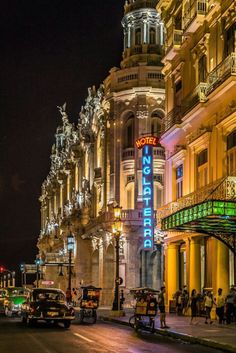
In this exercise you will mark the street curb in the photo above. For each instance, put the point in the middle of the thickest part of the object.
(183, 336)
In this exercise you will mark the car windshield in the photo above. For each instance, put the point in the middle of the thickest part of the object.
(17, 292)
(49, 296)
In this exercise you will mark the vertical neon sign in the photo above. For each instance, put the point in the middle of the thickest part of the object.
(147, 143)
(147, 166)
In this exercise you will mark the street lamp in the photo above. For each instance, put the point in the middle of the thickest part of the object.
(70, 248)
(38, 263)
(116, 230)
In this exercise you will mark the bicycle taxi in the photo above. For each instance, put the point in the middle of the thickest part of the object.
(145, 309)
(89, 303)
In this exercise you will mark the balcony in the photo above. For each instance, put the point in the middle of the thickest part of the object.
(199, 95)
(174, 117)
(158, 153)
(174, 44)
(221, 72)
(195, 15)
(223, 189)
(128, 153)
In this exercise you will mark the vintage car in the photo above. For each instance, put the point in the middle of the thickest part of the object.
(49, 305)
(14, 297)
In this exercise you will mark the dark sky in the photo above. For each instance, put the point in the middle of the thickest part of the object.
(50, 52)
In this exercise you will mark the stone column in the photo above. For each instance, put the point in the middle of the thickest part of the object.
(222, 269)
(195, 265)
(68, 190)
(172, 269)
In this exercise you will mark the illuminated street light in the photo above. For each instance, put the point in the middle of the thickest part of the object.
(70, 248)
(116, 230)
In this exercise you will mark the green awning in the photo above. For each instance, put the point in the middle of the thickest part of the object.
(209, 216)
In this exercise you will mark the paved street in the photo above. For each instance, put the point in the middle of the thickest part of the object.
(99, 338)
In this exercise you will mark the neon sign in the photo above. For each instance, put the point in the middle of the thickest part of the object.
(147, 166)
(146, 140)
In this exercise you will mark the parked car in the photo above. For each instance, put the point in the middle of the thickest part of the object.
(3, 293)
(14, 298)
(47, 305)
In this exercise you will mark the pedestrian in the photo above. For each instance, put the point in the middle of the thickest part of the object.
(230, 300)
(122, 299)
(185, 296)
(161, 304)
(208, 303)
(68, 296)
(74, 296)
(178, 301)
(220, 305)
(193, 305)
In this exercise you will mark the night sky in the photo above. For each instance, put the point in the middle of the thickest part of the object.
(51, 51)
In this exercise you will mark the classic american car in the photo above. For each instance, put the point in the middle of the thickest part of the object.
(13, 299)
(49, 305)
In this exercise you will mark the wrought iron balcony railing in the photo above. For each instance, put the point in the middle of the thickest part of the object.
(221, 189)
(221, 72)
(175, 40)
(172, 118)
(198, 7)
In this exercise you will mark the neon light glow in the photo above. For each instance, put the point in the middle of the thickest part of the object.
(147, 167)
(147, 140)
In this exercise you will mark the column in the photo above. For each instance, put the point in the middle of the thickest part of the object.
(61, 198)
(172, 269)
(68, 193)
(222, 267)
(76, 176)
(195, 265)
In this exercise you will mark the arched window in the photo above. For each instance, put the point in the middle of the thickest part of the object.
(156, 119)
(152, 36)
(138, 36)
(129, 132)
(231, 153)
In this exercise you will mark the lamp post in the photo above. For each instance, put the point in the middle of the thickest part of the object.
(70, 248)
(38, 263)
(116, 230)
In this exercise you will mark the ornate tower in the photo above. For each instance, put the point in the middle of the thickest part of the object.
(143, 33)
(135, 94)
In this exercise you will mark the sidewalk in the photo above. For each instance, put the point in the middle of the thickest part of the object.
(216, 336)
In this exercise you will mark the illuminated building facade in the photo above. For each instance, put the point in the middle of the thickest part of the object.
(95, 164)
(199, 137)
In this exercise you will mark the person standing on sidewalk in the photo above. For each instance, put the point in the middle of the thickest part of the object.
(230, 299)
(220, 305)
(161, 304)
(193, 305)
(208, 306)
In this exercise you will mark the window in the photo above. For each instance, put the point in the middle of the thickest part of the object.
(202, 69)
(230, 40)
(129, 133)
(130, 178)
(202, 158)
(231, 153)
(179, 181)
(138, 36)
(202, 168)
(152, 36)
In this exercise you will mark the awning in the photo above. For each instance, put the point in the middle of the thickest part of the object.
(209, 216)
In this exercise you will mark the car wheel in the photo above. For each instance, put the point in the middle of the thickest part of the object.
(67, 323)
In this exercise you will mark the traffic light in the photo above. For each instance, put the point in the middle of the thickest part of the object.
(22, 267)
(2, 269)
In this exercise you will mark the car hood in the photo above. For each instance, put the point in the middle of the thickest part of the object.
(50, 304)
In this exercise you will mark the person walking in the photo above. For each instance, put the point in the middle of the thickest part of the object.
(161, 304)
(193, 305)
(74, 297)
(220, 305)
(185, 296)
(208, 302)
